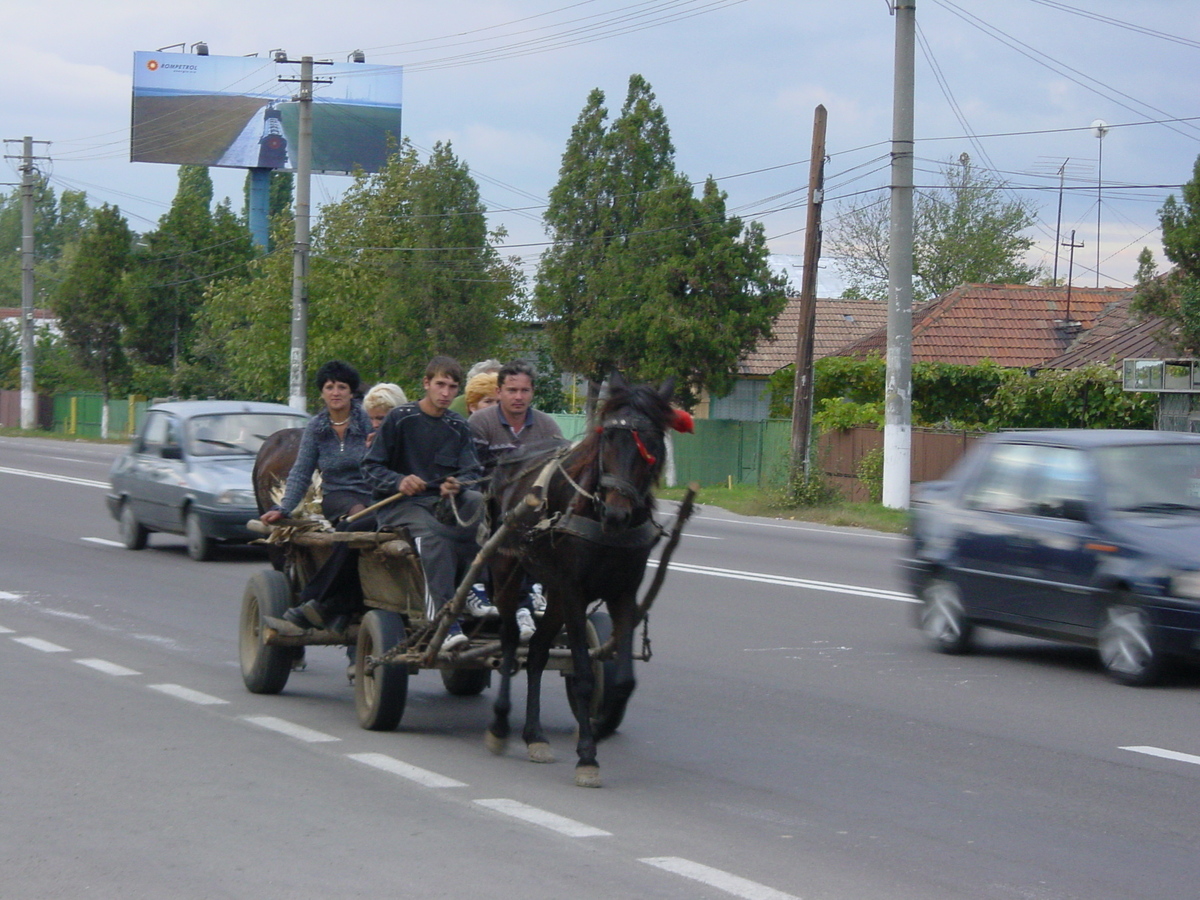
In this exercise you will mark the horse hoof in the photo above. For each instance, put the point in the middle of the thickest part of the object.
(540, 752)
(497, 745)
(587, 776)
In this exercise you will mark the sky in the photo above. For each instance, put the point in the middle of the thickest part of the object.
(1015, 84)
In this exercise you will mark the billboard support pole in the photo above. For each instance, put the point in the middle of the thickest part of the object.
(296, 366)
(259, 207)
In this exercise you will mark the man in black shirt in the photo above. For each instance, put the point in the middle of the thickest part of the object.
(424, 451)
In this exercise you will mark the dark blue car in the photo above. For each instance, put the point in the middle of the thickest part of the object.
(1076, 535)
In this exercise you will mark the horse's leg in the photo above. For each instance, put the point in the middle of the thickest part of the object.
(504, 572)
(617, 694)
(582, 686)
(539, 653)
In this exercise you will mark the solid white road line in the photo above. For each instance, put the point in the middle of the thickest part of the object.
(5, 595)
(104, 541)
(65, 479)
(291, 729)
(1165, 754)
(108, 668)
(787, 581)
(404, 770)
(4, 630)
(39, 644)
(182, 693)
(550, 820)
(722, 881)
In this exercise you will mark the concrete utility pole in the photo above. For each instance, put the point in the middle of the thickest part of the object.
(300, 253)
(28, 180)
(802, 398)
(897, 428)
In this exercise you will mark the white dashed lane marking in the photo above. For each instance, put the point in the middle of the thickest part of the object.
(4, 630)
(39, 644)
(102, 541)
(549, 820)
(404, 770)
(291, 729)
(182, 693)
(723, 881)
(108, 668)
(1165, 754)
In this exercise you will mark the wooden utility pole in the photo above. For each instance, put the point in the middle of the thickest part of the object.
(802, 398)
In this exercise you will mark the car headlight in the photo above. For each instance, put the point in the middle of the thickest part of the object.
(1186, 584)
(236, 498)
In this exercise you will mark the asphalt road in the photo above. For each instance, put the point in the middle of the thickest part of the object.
(792, 737)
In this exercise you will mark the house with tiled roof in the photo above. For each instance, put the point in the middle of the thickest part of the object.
(1119, 333)
(837, 322)
(1013, 325)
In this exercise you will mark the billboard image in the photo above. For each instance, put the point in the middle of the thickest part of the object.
(234, 111)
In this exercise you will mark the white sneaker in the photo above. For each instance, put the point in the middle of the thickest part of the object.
(477, 603)
(455, 638)
(537, 598)
(525, 624)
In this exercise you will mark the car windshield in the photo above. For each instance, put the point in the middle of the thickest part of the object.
(1150, 478)
(235, 434)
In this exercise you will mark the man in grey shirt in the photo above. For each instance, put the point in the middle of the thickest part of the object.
(513, 423)
(509, 426)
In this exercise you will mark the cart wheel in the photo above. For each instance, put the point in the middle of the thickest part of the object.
(380, 695)
(466, 682)
(606, 713)
(265, 668)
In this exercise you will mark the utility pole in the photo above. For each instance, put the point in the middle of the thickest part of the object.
(301, 247)
(28, 173)
(1058, 222)
(897, 429)
(802, 399)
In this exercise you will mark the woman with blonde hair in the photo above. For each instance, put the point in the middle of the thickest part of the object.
(482, 391)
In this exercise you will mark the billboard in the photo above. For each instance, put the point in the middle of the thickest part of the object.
(234, 111)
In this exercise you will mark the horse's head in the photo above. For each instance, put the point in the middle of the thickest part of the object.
(632, 448)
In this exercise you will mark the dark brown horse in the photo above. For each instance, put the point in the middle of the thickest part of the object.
(591, 542)
(271, 467)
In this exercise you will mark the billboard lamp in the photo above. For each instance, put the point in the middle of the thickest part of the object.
(200, 48)
(181, 45)
(357, 56)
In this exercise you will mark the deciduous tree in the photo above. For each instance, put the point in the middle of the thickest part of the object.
(91, 301)
(965, 231)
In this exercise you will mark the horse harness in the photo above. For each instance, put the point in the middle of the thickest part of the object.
(638, 537)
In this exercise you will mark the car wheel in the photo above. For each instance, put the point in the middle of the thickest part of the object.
(1128, 646)
(942, 617)
(133, 533)
(199, 545)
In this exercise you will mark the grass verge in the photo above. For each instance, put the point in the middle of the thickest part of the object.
(748, 500)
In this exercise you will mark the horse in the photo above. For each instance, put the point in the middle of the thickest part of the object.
(591, 541)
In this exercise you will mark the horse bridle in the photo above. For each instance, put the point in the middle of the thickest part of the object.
(633, 423)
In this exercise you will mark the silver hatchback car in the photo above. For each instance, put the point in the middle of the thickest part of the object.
(188, 471)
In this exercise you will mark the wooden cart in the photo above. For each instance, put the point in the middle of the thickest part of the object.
(394, 639)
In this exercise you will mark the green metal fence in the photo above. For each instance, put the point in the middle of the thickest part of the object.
(80, 413)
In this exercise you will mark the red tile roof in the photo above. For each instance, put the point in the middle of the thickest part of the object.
(1012, 325)
(1119, 333)
(837, 323)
